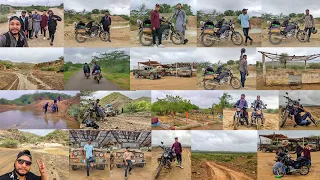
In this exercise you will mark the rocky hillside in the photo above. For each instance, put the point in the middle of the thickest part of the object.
(50, 66)
(119, 100)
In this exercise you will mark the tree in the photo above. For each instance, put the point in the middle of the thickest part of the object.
(292, 15)
(187, 9)
(165, 8)
(283, 59)
(238, 12)
(230, 62)
(95, 11)
(229, 13)
(266, 16)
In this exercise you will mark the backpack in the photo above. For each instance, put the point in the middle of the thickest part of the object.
(8, 40)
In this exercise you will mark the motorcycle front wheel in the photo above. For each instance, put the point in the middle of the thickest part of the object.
(159, 168)
(80, 39)
(275, 38)
(235, 83)
(206, 40)
(236, 38)
(236, 123)
(284, 117)
(104, 36)
(177, 38)
(304, 170)
(208, 84)
(258, 121)
(144, 41)
(302, 36)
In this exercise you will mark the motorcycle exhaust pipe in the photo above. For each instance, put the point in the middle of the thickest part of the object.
(86, 37)
(147, 37)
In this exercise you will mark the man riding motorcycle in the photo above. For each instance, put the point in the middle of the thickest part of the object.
(256, 103)
(301, 120)
(243, 104)
(86, 68)
(96, 67)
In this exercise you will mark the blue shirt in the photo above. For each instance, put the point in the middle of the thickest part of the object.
(88, 148)
(244, 20)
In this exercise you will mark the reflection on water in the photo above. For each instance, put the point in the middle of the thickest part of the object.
(34, 120)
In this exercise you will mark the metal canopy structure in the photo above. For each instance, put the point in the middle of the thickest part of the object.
(107, 138)
(274, 136)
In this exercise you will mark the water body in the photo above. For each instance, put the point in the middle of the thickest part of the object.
(34, 120)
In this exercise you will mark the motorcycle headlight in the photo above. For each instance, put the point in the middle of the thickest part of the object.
(165, 155)
(290, 104)
(231, 71)
(118, 154)
(101, 154)
(238, 109)
(232, 25)
(201, 23)
(141, 155)
(139, 22)
(298, 24)
(259, 112)
(75, 153)
(172, 24)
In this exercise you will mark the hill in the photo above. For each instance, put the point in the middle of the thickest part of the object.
(116, 99)
(144, 98)
(51, 65)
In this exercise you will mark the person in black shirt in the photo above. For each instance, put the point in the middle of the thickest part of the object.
(15, 37)
(106, 23)
(298, 150)
(301, 120)
(22, 166)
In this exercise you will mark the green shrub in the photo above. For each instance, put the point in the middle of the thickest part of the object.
(50, 68)
(314, 66)
(74, 111)
(9, 143)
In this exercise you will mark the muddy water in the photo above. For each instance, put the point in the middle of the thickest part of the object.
(35, 120)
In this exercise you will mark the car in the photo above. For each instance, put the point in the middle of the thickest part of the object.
(138, 160)
(184, 71)
(147, 71)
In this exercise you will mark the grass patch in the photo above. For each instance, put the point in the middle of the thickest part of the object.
(50, 68)
(9, 143)
(121, 79)
(69, 73)
(3, 18)
(220, 156)
(74, 111)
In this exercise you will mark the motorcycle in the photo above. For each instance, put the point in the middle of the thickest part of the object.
(277, 32)
(97, 76)
(168, 32)
(167, 157)
(82, 33)
(210, 80)
(89, 115)
(210, 33)
(285, 113)
(257, 116)
(285, 165)
(239, 117)
(87, 75)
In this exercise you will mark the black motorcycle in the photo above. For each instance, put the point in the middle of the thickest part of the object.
(285, 165)
(91, 114)
(285, 112)
(257, 117)
(167, 157)
(83, 32)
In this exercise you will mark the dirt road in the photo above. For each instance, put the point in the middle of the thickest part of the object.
(165, 83)
(79, 82)
(57, 165)
(81, 174)
(221, 172)
(271, 121)
(175, 172)
(266, 162)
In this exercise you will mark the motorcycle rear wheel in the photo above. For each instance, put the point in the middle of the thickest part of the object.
(206, 82)
(235, 83)
(275, 42)
(79, 39)
(237, 36)
(302, 36)
(177, 38)
(205, 42)
(104, 36)
(284, 117)
(304, 170)
(144, 43)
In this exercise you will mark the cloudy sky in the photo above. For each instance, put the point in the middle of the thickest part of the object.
(114, 6)
(167, 137)
(84, 55)
(11, 95)
(30, 55)
(203, 99)
(32, 2)
(215, 55)
(253, 6)
(291, 6)
(301, 51)
(163, 56)
(271, 98)
(307, 97)
(130, 94)
(289, 134)
(237, 141)
(40, 132)
(135, 4)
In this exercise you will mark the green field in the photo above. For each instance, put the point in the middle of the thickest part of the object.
(121, 79)
(221, 156)
(70, 72)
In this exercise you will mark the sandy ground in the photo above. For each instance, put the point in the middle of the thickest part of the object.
(79, 82)
(271, 121)
(120, 37)
(57, 165)
(7, 107)
(255, 36)
(191, 34)
(266, 162)
(124, 121)
(58, 36)
(95, 174)
(222, 172)
(165, 83)
(315, 111)
(175, 172)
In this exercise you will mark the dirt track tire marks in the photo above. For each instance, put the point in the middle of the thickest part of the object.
(223, 173)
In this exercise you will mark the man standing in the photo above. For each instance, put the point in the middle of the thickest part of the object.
(106, 23)
(14, 37)
(24, 22)
(89, 155)
(36, 22)
(155, 23)
(308, 23)
(177, 148)
(245, 24)
(45, 107)
(44, 23)
(22, 166)
(298, 150)
(30, 26)
(181, 21)
(243, 68)
(52, 25)
(307, 154)
(127, 161)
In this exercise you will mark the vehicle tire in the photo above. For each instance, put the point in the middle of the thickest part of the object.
(177, 38)
(283, 118)
(275, 42)
(87, 77)
(79, 39)
(118, 166)
(236, 36)
(304, 170)
(236, 123)
(152, 76)
(206, 82)
(148, 43)
(208, 43)
(279, 171)
(74, 167)
(104, 36)
(258, 121)
(136, 75)
(264, 150)
(159, 168)
(302, 35)
(235, 83)
(98, 81)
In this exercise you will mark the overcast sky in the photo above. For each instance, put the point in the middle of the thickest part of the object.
(11, 95)
(215, 55)
(253, 6)
(271, 98)
(40, 132)
(167, 137)
(203, 99)
(32, 2)
(237, 141)
(291, 6)
(30, 55)
(300, 51)
(135, 4)
(114, 6)
(163, 56)
(130, 94)
(84, 55)
(310, 97)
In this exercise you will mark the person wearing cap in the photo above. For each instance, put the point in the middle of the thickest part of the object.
(256, 103)
(243, 68)
(14, 37)
(127, 155)
(301, 120)
(243, 104)
(181, 21)
(52, 25)
(308, 23)
(24, 22)
(89, 155)
(30, 26)
(36, 22)
(22, 166)
(44, 23)
(244, 19)
(106, 23)
(155, 23)
(177, 148)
